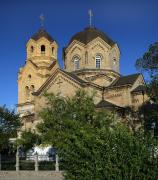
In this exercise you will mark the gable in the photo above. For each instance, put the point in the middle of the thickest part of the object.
(98, 42)
(56, 77)
(73, 44)
(76, 49)
(140, 81)
(62, 85)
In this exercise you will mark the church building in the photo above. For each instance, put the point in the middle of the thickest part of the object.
(91, 62)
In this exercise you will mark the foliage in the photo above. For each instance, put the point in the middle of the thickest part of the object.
(149, 63)
(28, 139)
(94, 144)
(149, 114)
(152, 90)
(9, 124)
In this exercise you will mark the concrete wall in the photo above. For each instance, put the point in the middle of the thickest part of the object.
(31, 175)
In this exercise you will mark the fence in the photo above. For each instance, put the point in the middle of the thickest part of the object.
(34, 162)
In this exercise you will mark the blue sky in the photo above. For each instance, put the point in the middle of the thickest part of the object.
(133, 24)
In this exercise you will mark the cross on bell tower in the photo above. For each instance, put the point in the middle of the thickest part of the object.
(42, 20)
(90, 13)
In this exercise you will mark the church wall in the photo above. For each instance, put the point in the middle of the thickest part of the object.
(37, 49)
(26, 81)
(77, 50)
(138, 82)
(102, 81)
(137, 99)
(87, 54)
(29, 53)
(40, 103)
(100, 78)
(27, 78)
(66, 89)
(114, 59)
(92, 91)
(37, 68)
(96, 47)
(119, 96)
(61, 85)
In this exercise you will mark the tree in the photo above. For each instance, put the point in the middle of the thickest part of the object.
(94, 144)
(9, 125)
(149, 115)
(152, 89)
(148, 63)
(28, 139)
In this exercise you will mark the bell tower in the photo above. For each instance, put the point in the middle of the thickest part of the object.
(41, 62)
(41, 49)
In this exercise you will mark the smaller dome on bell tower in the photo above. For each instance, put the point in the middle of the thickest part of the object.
(42, 48)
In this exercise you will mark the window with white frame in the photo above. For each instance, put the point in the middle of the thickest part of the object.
(98, 61)
(76, 63)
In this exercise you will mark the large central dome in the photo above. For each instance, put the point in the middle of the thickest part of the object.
(91, 50)
(90, 33)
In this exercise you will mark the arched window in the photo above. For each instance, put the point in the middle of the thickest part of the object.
(43, 49)
(29, 77)
(114, 61)
(52, 50)
(27, 92)
(32, 49)
(76, 63)
(32, 88)
(98, 61)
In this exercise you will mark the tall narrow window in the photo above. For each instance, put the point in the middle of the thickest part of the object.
(115, 66)
(52, 50)
(76, 63)
(43, 49)
(29, 77)
(114, 61)
(32, 49)
(98, 61)
(32, 88)
(27, 92)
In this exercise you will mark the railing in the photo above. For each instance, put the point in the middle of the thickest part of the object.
(34, 162)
